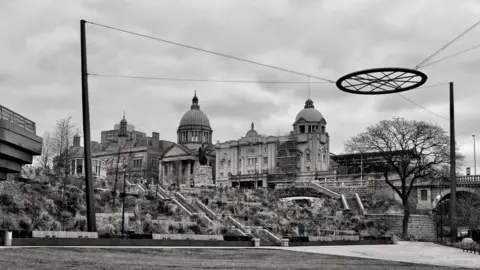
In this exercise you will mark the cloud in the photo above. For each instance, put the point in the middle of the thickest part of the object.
(40, 66)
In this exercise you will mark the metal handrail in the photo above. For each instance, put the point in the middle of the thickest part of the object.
(17, 119)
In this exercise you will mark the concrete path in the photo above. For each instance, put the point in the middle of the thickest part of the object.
(413, 252)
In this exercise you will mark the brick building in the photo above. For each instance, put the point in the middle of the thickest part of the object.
(136, 156)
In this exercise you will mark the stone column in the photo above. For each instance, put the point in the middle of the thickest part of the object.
(160, 172)
(74, 172)
(177, 176)
(189, 168)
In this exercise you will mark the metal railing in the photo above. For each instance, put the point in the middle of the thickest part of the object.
(17, 119)
(205, 209)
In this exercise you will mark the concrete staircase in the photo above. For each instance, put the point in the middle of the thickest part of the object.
(319, 188)
(235, 227)
(354, 203)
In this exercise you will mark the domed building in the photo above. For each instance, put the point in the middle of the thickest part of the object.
(309, 119)
(194, 128)
(260, 160)
(180, 162)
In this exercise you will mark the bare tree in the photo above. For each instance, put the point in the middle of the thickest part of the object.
(116, 177)
(468, 208)
(411, 149)
(62, 136)
(45, 158)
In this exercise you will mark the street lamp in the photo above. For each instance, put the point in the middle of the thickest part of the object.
(123, 199)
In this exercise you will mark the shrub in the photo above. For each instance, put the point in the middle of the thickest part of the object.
(195, 229)
(25, 224)
(6, 200)
(7, 224)
(80, 223)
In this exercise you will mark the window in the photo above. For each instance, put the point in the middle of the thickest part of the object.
(79, 166)
(308, 156)
(137, 163)
(302, 129)
(265, 160)
(423, 195)
(323, 129)
(95, 167)
(221, 174)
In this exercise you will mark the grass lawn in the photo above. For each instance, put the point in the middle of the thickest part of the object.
(111, 258)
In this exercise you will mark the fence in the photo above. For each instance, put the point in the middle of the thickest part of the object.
(187, 237)
(17, 119)
(63, 234)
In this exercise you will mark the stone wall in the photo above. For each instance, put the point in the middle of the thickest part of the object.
(420, 226)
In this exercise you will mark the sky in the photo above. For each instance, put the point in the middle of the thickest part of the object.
(40, 63)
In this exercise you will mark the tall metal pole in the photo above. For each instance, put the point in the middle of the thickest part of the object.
(123, 200)
(91, 223)
(474, 157)
(453, 180)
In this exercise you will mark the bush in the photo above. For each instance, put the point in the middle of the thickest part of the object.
(7, 224)
(80, 223)
(25, 224)
(6, 200)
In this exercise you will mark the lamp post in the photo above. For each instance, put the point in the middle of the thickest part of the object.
(474, 157)
(123, 199)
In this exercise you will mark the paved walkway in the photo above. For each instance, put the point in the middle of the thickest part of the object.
(413, 252)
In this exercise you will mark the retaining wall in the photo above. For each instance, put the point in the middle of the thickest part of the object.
(420, 226)
(125, 242)
(343, 242)
(187, 237)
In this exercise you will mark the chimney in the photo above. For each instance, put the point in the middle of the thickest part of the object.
(156, 139)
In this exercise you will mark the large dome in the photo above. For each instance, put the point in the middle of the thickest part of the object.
(309, 113)
(195, 117)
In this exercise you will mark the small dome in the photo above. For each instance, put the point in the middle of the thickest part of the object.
(252, 132)
(309, 113)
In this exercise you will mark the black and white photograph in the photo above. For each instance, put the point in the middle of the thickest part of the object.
(230, 134)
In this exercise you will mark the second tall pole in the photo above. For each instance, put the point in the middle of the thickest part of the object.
(91, 223)
(453, 180)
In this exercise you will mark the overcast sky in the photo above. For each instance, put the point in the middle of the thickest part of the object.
(40, 63)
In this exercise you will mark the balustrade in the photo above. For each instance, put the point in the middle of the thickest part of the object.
(468, 179)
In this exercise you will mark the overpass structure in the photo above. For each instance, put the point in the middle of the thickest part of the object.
(18, 142)
(426, 192)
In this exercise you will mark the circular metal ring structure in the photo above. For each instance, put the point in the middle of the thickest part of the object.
(380, 81)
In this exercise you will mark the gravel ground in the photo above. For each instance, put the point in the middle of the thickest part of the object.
(106, 258)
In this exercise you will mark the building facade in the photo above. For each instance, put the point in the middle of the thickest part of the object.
(259, 160)
(18, 142)
(180, 161)
(134, 156)
(108, 136)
